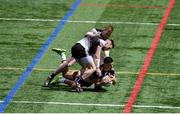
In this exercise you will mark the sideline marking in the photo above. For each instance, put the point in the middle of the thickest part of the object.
(13, 91)
(84, 104)
(137, 86)
(117, 72)
(86, 22)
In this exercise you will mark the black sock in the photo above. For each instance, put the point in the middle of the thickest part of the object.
(52, 75)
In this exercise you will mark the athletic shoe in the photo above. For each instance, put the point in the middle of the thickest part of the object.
(58, 50)
(47, 82)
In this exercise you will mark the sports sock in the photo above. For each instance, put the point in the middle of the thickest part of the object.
(62, 80)
(63, 56)
(52, 75)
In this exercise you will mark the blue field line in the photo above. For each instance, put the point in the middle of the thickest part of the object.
(9, 97)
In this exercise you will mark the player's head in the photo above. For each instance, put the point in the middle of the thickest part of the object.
(108, 60)
(108, 64)
(109, 44)
(106, 33)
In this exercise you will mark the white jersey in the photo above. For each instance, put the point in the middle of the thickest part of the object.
(91, 41)
(85, 43)
(94, 32)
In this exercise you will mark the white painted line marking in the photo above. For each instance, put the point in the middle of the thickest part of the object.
(85, 104)
(88, 22)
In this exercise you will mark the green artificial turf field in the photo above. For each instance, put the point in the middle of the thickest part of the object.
(26, 25)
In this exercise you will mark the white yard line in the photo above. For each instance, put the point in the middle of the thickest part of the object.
(88, 22)
(85, 104)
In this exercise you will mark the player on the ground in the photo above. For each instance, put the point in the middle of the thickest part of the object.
(83, 50)
(107, 75)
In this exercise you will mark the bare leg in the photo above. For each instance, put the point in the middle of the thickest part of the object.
(89, 70)
(61, 67)
(70, 74)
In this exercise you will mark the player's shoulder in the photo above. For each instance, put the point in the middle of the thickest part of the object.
(99, 30)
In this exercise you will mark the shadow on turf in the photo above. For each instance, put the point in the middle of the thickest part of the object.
(67, 88)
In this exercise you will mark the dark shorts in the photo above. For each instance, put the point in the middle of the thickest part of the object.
(85, 84)
(90, 81)
(78, 51)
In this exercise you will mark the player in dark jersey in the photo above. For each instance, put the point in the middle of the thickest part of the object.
(106, 78)
(83, 50)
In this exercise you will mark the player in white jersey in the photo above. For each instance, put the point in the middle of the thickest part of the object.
(84, 51)
(91, 46)
(86, 48)
(97, 32)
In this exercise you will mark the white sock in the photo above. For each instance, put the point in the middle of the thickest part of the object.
(62, 80)
(63, 56)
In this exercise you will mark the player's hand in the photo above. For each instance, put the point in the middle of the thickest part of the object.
(113, 78)
(98, 72)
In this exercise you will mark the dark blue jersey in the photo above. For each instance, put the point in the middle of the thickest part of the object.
(105, 73)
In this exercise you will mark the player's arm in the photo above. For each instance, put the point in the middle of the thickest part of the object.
(113, 76)
(97, 60)
(113, 79)
(101, 43)
(93, 33)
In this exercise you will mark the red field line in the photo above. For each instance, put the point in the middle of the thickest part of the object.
(145, 67)
(120, 6)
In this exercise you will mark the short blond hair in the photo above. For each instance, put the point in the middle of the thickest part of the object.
(109, 27)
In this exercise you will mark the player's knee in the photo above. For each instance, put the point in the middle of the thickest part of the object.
(69, 64)
(89, 66)
(94, 69)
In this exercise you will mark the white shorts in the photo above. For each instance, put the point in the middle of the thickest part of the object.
(86, 60)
